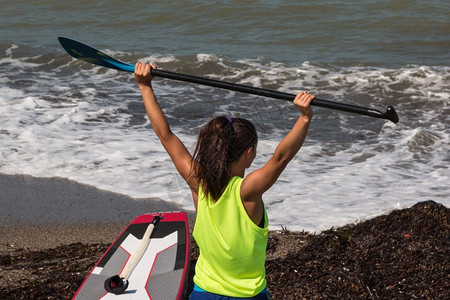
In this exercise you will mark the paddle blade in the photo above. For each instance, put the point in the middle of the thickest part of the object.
(91, 55)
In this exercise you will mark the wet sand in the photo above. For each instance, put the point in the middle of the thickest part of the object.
(48, 212)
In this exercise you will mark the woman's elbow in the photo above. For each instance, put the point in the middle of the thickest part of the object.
(163, 136)
(282, 160)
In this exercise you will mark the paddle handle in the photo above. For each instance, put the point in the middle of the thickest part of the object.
(136, 257)
(390, 113)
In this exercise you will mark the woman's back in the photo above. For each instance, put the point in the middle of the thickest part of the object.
(233, 247)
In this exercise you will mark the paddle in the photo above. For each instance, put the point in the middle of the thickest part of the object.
(91, 55)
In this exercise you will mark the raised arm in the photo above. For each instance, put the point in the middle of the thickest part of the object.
(173, 145)
(259, 181)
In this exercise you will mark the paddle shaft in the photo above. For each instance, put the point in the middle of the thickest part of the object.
(94, 56)
(266, 93)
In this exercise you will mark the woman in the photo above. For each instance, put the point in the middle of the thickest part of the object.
(231, 225)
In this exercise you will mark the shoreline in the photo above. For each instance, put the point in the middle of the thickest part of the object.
(57, 211)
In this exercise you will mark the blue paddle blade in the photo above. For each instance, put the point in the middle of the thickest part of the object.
(91, 55)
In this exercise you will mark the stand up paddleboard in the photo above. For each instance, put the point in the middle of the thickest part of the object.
(149, 260)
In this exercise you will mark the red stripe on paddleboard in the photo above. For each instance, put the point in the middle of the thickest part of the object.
(165, 217)
(187, 262)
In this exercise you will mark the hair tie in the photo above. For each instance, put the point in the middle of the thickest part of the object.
(229, 120)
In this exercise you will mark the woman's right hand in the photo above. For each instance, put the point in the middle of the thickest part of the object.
(142, 74)
(303, 101)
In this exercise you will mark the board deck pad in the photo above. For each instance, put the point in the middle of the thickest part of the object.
(163, 269)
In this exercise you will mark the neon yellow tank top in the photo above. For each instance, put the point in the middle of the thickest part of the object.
(232, 247)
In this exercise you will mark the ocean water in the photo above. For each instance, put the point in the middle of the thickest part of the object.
(62, 117)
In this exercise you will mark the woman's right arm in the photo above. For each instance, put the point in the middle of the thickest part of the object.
(259, 181)
(180, 156)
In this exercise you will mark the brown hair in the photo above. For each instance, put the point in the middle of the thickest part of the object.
(221, 142)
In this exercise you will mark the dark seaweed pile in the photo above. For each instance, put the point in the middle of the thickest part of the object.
(403, 255)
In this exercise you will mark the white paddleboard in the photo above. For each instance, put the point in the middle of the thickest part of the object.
(155, 268)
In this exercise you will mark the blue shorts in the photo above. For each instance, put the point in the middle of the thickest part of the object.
(200, 294)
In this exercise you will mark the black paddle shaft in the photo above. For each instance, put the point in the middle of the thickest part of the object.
(94, 56)
(390, 113)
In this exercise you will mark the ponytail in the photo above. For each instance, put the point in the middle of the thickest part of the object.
(221, 142)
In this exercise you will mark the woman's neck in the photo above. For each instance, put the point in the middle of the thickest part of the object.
(238, 168)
